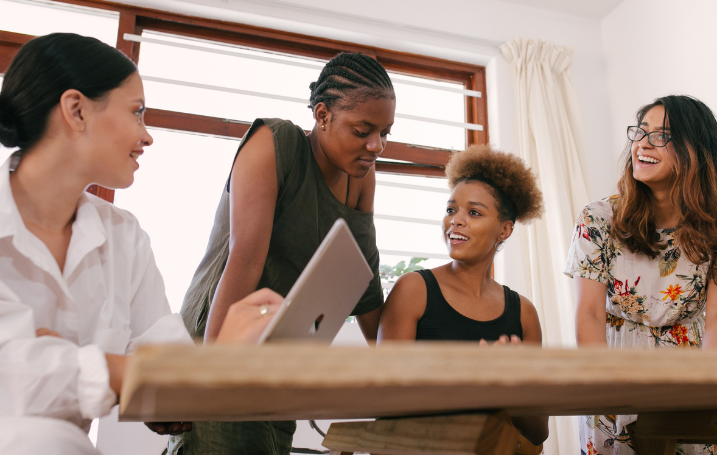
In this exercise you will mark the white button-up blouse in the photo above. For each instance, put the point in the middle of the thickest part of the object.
(108, 299)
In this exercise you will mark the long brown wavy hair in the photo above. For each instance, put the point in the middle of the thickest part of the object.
(693, 184)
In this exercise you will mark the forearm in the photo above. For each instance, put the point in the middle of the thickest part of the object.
(115, 366)
(710, 338)
(238, 281)
(369, 324)
(590, 314)
(220, 307)
(49, 376)
(590, 329)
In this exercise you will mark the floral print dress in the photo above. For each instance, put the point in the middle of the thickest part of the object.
(651, 304)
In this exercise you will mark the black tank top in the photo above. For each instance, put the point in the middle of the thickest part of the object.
(441, 321)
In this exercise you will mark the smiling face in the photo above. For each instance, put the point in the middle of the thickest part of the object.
(352, 139)
(472, 225)
(653, 166)
(116, 134)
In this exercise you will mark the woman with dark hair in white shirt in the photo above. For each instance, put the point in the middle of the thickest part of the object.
(79, 287)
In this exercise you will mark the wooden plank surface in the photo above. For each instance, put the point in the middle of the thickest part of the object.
(466, 434)
(282, 382)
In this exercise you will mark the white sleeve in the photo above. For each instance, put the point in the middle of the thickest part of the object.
(47, 376)
(151, 319)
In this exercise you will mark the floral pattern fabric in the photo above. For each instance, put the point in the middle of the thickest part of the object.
(651, 304)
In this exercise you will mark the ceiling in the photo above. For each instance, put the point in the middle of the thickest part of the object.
(592, 9)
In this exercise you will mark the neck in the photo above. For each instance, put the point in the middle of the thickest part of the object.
(331, 173)
(666, 214)
(47, 188)
(476, 277)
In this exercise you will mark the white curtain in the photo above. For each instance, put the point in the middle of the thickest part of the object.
(550, 141)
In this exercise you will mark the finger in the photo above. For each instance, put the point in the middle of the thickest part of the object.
(482, 342)
(156, 427)
(514, 339)
(45, 332)
(502, 340)
(264, 296)
(180, 428)
(245, 320)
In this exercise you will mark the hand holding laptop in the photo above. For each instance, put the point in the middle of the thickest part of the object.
(316, 306)
(248, 318)
(325, 293)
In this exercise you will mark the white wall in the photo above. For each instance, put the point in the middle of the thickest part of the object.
(655, 48)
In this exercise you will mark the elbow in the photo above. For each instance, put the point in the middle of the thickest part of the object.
(534, 429)
(540, 435)
(536, 435)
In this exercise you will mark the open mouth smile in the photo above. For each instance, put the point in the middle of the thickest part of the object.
(647, 159)
(455, 238)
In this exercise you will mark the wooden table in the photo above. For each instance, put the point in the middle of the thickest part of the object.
(286, 382)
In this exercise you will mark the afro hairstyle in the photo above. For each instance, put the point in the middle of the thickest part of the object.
(512, 183)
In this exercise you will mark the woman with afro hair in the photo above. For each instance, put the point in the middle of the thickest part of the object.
(461, 301)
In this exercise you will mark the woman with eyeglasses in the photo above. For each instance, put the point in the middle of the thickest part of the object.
(643, 260)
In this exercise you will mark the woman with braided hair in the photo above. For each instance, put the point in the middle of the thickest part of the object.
(285, 190)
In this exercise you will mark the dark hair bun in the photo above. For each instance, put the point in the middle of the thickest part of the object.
(46, 67)
(8, 127)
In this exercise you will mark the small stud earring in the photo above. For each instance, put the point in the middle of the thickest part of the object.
(323, 127)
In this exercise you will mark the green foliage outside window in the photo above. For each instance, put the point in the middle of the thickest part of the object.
(390, 273)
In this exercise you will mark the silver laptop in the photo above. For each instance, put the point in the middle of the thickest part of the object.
(326, 292)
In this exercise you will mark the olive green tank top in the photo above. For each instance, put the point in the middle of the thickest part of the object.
(305, 211)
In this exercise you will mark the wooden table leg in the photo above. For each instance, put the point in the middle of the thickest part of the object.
(466, 434)
(650, 446)
(654, 430)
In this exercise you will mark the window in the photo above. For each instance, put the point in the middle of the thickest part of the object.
(44, 17)
(192, 170)
(205, 81)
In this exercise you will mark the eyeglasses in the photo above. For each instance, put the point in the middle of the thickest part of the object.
(656, 138)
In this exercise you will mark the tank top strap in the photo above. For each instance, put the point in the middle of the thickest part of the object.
(512, 308)
(433, 290)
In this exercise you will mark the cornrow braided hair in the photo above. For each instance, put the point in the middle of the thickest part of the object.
(348, 72)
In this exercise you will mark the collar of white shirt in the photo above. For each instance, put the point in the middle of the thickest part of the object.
(88, 231)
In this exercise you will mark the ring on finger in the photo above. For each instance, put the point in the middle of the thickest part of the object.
(264, 309)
